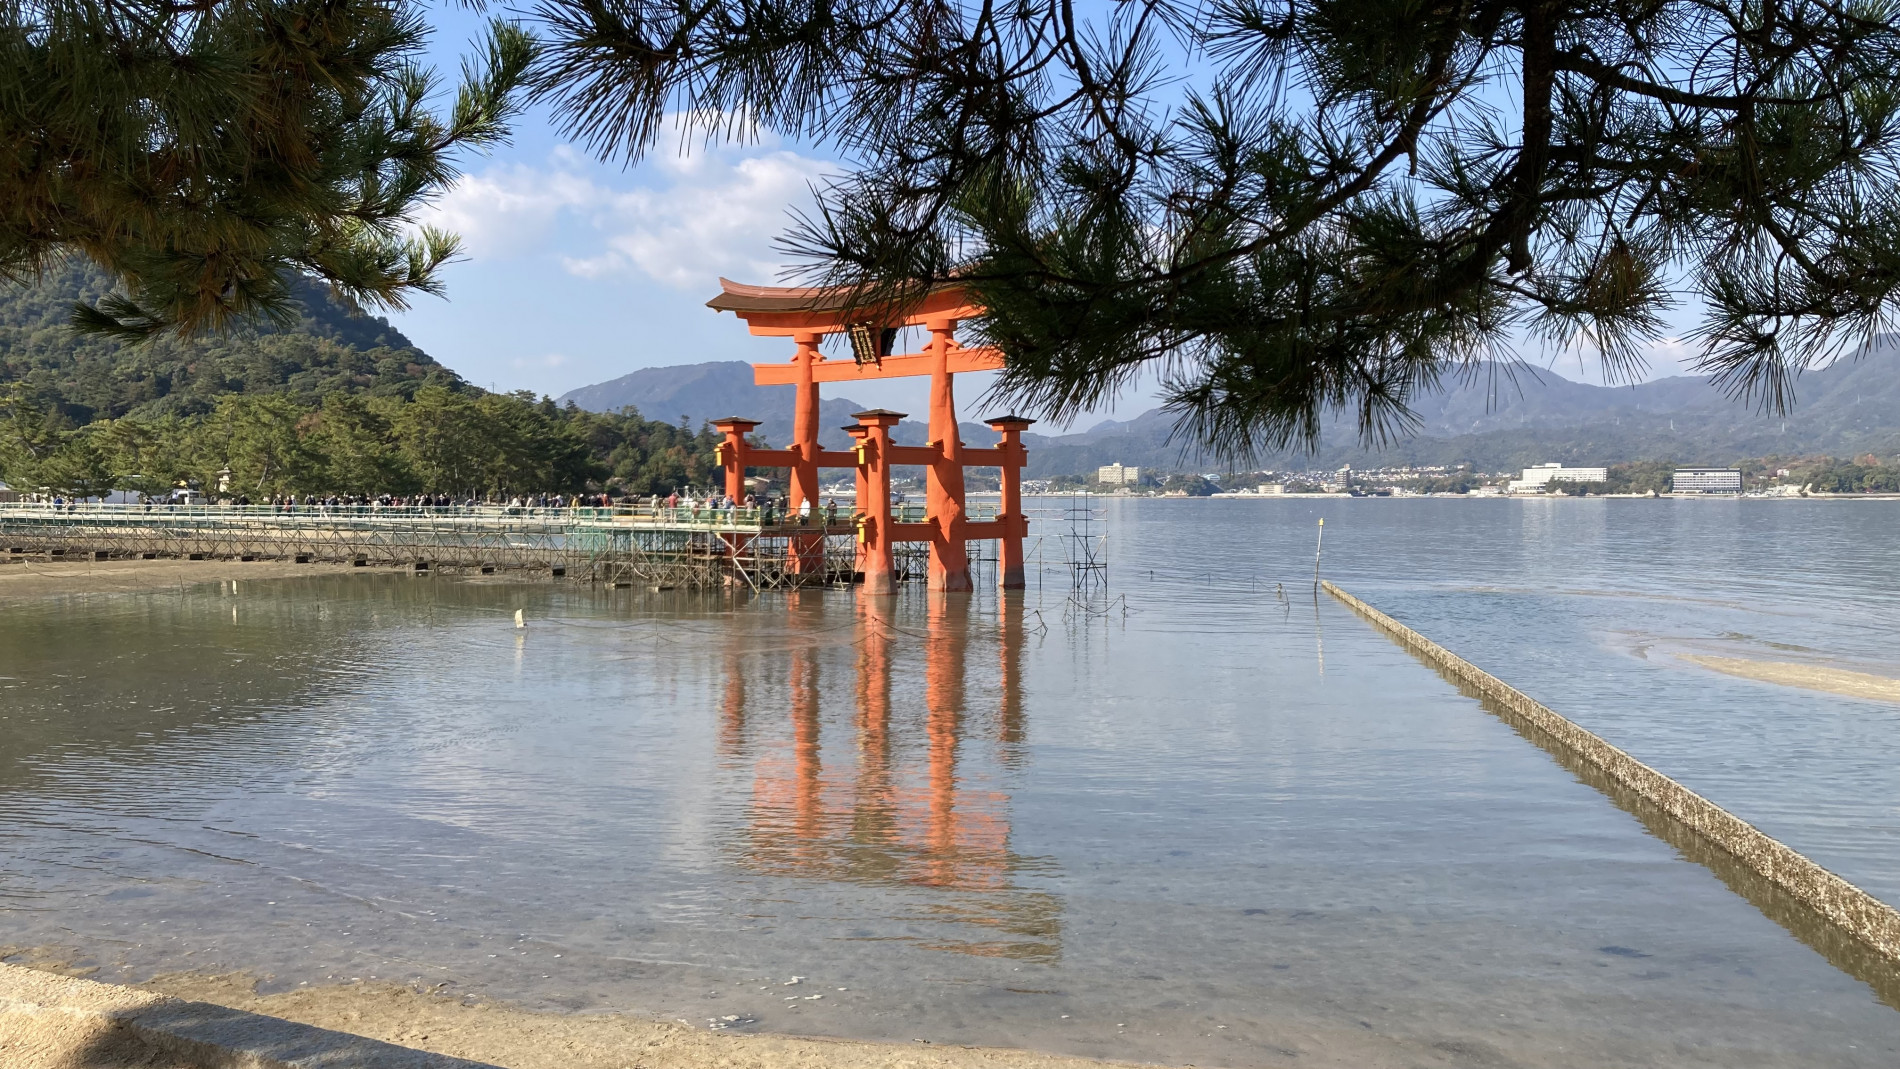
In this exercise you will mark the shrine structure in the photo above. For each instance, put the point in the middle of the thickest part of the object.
(808, 316)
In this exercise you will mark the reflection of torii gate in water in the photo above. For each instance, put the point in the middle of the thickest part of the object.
(870, 817)
(807, 316)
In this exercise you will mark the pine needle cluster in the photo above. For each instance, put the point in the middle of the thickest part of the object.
(209, 152)
(1291, 206)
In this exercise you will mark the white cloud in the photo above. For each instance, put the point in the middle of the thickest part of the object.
(1670, 356)
(680, 220)
(507, 211)
(717, 221)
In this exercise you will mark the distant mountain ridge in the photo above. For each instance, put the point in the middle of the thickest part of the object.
(1497, 418)
(698, 392)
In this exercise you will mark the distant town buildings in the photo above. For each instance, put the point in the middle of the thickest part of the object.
(1707, 481)
(1117, 475)
(1537, 479)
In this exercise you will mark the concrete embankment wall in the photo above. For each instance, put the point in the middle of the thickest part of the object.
(59, 1022)
(1832, 899)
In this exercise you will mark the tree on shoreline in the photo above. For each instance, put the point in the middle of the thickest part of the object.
(1285, 206)
(440, 442)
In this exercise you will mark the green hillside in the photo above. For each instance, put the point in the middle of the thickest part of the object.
(78, 378)
(335, 403)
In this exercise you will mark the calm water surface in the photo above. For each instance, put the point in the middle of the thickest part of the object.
(1230, 826)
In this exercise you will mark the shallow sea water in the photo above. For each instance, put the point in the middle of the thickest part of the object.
(1230, 826)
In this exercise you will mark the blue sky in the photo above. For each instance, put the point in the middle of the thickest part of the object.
(578, 271)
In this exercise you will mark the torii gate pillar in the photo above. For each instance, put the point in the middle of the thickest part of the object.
(1010, 515)
(808, 550)
(731, 453)
(876, 537)
(949, 557)
(860, 434)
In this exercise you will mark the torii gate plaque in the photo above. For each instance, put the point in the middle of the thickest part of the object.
(806, 315)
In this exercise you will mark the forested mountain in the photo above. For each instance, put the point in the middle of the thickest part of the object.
(335, 403)
(694, 393)
(77, 378)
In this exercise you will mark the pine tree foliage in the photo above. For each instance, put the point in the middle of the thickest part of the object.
(209, 152)
(1289, 206)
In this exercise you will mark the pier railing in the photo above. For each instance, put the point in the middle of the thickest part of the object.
(684, 546)
(701, 517)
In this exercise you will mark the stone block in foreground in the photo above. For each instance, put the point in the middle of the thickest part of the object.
(49, 1021)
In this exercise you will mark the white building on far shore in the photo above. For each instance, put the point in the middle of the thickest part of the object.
(1537, 479)
(1117, 475)
(1707, 481)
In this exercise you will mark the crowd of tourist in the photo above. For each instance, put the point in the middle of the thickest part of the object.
(769, 510)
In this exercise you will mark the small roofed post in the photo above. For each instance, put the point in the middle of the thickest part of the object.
(875, 534)
(732, 452)
(1014, 524)
(943, 491)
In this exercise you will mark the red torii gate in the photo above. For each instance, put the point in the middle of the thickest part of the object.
(806, 315)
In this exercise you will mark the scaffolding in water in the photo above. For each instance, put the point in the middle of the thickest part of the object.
(1087, 548)
(677, 548)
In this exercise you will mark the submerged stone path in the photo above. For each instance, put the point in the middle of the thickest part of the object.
(1867, 919)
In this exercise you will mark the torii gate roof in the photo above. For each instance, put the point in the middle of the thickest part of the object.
(787, 310)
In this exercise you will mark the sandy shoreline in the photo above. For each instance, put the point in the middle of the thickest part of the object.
(503, 1035)
(1806, 676)
(40, 577)
(50, 1022)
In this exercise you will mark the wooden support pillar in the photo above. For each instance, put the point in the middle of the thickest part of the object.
(808, 550)
(732, 457)
(1014, 524)
(874, 507)
(944, 497)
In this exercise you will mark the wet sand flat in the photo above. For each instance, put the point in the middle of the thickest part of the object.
(37, 577)
(1806, 676)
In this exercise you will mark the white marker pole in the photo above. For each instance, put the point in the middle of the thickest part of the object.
(519, 622)
(1317, 548)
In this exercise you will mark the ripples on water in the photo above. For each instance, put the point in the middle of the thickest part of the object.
(1232, 824)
